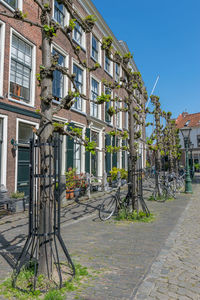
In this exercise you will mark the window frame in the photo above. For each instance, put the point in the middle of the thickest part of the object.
(99, 93)
(110, 72)
(33, 70)
(18, 6)
(2, 52)
(82, 41)
(111, 118)
(98, 50)
(66, 64)
(116, 75)
(83, 110)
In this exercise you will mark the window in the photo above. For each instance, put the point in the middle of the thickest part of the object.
(12, 3)
(77, 157)
(95, 49)
(59, 14)
(107, 64)
(2, 46)
(94, 95)
(198, 141)
(118, 116)
(126, 116)
(25, 133)
(21, 69)
(94, 157)
(79, 84)
(117, 72)
(78, 34)
(58, 78)
(107, 105)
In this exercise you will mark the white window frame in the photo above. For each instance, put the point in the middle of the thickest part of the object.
(33, 72)
(120, 72)
(19, 120)
(118, 105)
(19, 5)
(111, 118)
(4, 150)
(66, 64)
(2, 50)
(111, 66)
(80, 125)
(66, 13)
(83, 42)
(99, 48)
(100, 153)
(98, 105)
(84, 85)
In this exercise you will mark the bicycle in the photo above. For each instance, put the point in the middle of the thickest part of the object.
(114, 203)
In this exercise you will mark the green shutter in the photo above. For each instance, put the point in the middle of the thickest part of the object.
(87, 154)
(70, 149)
(108, 155)
(114, 156)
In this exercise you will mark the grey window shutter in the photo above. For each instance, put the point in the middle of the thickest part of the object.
(108, 155)
(87, 154)
(70, 149)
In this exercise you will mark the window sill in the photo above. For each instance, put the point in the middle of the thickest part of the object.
(78, 111)
(21, 102)
(94, 60)
(81, 46)
(108, 73)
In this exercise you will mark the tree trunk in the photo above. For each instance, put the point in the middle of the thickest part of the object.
(133, 156)
(46, 169)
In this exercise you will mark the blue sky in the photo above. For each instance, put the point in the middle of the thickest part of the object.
(164, 36)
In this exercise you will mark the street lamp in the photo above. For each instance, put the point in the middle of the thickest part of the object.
(186, 135)
(191, 160)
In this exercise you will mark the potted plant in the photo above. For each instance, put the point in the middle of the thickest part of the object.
(70, 183)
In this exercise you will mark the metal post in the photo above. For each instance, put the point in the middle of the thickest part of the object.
(188, 181)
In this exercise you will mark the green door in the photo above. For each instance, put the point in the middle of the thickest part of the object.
(23, 170)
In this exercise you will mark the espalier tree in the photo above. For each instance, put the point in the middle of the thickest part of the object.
(171, 143)
(155, 142)
(130, 82)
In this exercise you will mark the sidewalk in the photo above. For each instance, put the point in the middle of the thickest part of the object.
(121, 253)
(176, 272)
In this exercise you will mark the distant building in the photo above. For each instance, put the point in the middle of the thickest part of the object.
(192, 121)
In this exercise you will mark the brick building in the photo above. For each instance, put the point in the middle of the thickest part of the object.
(20, 58)
(192, 121)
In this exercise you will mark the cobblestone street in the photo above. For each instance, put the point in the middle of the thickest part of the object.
(158, 260)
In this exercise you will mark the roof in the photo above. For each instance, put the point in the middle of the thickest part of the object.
(190, 120)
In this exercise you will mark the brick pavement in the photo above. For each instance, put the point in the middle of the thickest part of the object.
(122, 253)
(176, 272)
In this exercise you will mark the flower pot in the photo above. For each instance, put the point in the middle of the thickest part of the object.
(67, 195)
(71, 194)
(77, 192)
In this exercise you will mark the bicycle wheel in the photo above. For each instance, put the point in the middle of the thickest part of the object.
(107, 208)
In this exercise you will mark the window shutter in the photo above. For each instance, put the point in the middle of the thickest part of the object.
(70, 149)
(114, 156)
(87, 154)
(108, 155)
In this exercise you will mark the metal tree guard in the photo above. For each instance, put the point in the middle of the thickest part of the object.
(50, 234)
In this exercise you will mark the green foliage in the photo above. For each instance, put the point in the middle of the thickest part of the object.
(91, 147)
(25, 277)
(111, 111)
(128, 55)
(114, 171)
(107, 43)
(197, 166)
(90, 19)
(72, 24)
(141, 216)
(103, 98)
(17, 195)
(49, 31)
